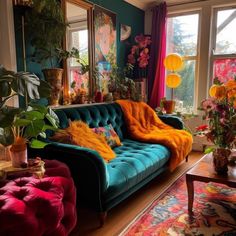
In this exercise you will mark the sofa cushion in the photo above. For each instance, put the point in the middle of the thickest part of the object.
(95, 116)
(109, 134)
(134, 162)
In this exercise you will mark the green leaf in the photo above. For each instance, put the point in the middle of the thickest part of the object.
(209, 150)
(34, 128)
(33, 115)
(52, 118)
(38, 107)
(22, 122)
(49, 127)
(37, 144)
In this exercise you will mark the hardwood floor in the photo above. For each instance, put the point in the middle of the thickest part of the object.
(120, 216)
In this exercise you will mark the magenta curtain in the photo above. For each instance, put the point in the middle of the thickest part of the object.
(156, 71)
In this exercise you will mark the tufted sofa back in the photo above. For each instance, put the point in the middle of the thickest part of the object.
(95, 115)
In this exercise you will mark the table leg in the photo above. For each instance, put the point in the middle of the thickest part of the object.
(190, 188)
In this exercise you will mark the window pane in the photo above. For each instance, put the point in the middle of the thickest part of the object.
(225, 37)
(184, 94)
(224, 69)
(81, 81)
(79, 40)
(182, 32)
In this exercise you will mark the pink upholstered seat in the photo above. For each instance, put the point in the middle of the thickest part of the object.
(33, 207)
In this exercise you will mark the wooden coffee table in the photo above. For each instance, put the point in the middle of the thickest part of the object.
(204, 171)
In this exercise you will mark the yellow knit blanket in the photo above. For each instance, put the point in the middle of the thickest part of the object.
(144, 125)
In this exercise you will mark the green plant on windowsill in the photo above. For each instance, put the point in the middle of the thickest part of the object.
(120, 85)
(19, 125)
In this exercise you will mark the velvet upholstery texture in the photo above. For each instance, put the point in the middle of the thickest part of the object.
(39, 207)
(103, 185)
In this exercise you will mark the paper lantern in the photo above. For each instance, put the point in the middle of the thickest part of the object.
(173, 62)
(173, 80)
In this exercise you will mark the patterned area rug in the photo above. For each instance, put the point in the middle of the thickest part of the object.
(214, 212)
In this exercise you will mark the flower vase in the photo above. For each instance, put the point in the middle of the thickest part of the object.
(220, 160)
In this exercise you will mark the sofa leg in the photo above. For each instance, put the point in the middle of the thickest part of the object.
(186, 158)
(102, 218)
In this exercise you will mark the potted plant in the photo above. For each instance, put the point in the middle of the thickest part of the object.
(17, 125)
(46, 27)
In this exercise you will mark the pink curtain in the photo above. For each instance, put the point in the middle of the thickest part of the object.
(156, 72)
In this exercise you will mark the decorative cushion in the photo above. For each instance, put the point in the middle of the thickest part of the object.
(110, 135)
(79, 133)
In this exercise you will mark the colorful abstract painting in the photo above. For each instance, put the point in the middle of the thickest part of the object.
(105, 45)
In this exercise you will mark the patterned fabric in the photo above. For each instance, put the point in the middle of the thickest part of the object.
(214, 211)
(110, 135)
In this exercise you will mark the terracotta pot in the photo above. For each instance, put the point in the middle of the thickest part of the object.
(169, 106)
(54, 78)
(220, 160)
(18, 152)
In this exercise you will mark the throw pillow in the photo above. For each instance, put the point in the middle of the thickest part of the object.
(79, 133)
(110, 135)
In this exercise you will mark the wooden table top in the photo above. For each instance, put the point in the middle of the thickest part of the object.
(204, 171)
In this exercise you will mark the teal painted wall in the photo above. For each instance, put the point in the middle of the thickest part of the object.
(125, 14)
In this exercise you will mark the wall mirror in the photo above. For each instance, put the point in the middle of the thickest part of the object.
(78, 15)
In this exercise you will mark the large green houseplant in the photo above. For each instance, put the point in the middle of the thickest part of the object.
(19, 125)
(46, 27)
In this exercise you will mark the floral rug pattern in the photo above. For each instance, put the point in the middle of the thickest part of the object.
(214, 210)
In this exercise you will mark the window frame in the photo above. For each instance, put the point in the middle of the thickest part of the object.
(195, 58)
(213, 56)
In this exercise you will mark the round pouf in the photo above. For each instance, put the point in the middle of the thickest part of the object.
(39, 207)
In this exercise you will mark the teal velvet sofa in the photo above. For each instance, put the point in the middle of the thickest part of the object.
(103, 185)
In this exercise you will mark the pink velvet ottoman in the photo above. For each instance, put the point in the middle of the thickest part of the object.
(33, 207)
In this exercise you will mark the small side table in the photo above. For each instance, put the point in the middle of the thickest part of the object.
(204, 171)
(7, 171)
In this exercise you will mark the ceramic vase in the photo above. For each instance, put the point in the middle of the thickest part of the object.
(220, 160)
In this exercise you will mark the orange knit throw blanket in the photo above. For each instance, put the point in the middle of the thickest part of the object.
(144, 125)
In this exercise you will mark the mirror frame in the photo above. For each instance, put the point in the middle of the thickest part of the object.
(66, 86)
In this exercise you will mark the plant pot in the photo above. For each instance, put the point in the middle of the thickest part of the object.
(18, 152)
(169, 106)
(54, 78)
(220, 160)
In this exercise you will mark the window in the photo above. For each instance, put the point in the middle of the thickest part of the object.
(78, 38)
(224, 44)
(182, 38)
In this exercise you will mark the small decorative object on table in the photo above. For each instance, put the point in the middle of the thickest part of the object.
(220, 112)
(34, 167)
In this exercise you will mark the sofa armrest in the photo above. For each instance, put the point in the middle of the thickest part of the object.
(87, 167)
(174, 121)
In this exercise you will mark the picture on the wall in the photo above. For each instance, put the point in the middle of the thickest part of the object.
(125, 32)
(105, 45)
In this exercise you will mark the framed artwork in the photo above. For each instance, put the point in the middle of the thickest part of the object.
(105, 45)
(125, 32)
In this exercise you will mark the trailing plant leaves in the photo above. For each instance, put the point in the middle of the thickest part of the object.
(34, 128)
